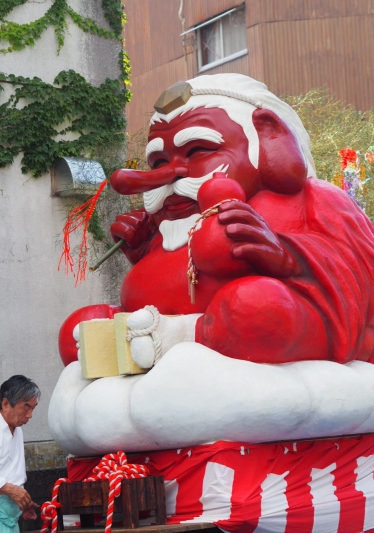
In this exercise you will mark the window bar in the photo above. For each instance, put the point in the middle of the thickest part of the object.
(210, 21)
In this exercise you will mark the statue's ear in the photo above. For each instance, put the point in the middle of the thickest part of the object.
(282, 165)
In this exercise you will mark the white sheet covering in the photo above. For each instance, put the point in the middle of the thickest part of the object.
(195, 395)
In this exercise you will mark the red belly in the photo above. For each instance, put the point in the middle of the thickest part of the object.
(160, 279)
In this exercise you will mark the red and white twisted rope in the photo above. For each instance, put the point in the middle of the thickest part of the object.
(192, 271)
(48, 510)
(114, 468)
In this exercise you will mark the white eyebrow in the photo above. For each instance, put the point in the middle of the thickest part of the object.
(155, 145)
(197, 133)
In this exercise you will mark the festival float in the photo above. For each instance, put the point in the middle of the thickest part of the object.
(238, 364)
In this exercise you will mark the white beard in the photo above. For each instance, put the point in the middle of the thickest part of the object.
(188, 187)
(175, 232)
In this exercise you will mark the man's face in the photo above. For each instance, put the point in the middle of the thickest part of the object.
(20, 414)
(196, 144)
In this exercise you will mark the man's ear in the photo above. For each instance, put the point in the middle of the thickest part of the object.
(282, 165)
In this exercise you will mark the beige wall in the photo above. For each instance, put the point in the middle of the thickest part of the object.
(36, 298)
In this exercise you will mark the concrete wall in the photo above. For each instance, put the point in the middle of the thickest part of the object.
(35, 297)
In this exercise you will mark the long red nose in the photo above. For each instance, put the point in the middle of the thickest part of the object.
(128, 181)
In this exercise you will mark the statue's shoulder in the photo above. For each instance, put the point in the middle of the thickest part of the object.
(322, 192)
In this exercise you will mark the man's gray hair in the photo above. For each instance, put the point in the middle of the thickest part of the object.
(18, 389)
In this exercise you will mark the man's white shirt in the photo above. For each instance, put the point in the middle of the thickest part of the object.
(12, 456)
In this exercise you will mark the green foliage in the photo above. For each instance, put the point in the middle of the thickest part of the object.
(89, 26)
(36, 118)
(7, 6)
(95, 228)
(48, 112)
(333, 125)
(125, 66)
(21, 35)
(113, 12)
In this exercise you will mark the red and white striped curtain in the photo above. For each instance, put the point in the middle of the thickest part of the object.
(321, 486)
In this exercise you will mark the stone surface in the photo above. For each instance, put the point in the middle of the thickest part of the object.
(44, 455)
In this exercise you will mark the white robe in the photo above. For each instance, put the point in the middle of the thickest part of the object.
(12, 455)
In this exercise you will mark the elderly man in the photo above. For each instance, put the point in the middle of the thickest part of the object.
(19, 397)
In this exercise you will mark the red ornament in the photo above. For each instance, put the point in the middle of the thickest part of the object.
(347, 155)
(217, 189)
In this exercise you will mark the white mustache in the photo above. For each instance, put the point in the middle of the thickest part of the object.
(189, 187)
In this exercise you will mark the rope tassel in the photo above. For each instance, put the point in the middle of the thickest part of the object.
(79, 217)
(114, 467)
(48, 510)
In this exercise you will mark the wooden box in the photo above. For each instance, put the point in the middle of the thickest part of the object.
(87, 498)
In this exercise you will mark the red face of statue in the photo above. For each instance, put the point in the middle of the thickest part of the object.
(189, 151)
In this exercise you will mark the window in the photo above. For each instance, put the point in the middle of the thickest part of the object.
(221, 39)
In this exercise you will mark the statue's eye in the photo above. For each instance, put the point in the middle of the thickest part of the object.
(200, 150)
(159, 163)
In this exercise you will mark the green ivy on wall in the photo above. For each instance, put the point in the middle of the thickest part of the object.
(94, 113)
(37, 116)
(113, 12)
(21, 35)
(7, 6)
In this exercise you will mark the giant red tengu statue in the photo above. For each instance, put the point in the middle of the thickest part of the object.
(284, 274)
(284, 269)
(274, 342)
